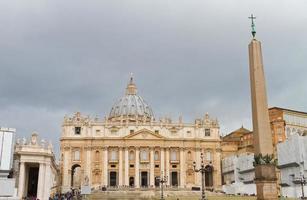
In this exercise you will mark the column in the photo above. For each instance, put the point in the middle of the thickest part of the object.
(167, 172)
(162, 160)
(105, 166)
(65, 175)
(21, 182)
(197, 160)
(48, 181)
(216, 160)
(120, 167)
(137, 168)
(152, 168)
(88, 165)
(127, 166)
(41, 181)
(182, 169)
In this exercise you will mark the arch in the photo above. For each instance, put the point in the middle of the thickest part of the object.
(75, 176)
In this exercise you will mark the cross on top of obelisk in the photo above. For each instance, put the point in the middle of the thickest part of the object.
(252, 17)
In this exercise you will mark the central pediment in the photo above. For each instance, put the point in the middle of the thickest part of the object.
(144, 134)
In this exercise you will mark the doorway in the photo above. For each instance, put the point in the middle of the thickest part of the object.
(32, 182)
(131, 181)
(76, 176)
(157, 181)
(144, 179)
(209, 176)
(174, 179)
(113, 179)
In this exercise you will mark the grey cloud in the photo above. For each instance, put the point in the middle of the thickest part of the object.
(188, 57)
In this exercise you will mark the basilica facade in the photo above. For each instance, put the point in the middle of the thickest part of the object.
(130, 148)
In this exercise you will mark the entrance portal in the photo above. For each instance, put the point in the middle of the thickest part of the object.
(157, 181)
(113, 179)
(209, 176)
(131, 181)
(76, 176)
(144, 179)
(32, 182)
(174, 180)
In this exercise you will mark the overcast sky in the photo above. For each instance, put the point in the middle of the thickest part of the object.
(188, 58)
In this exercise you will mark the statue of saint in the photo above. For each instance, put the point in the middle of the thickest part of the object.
(86, 180)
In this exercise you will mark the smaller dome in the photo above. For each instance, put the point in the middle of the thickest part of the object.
(131, 106)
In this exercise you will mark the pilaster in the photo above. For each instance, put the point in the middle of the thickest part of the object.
(21, 182)
(120, 167)
(152, 168)
(105, 166)
(137, 167)
(127, 166)
(182, 169)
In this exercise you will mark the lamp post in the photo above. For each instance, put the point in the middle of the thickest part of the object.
(302, 181)
(162, 180)
(202, 170)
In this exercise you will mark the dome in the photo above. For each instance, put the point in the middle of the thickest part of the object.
(131, 106)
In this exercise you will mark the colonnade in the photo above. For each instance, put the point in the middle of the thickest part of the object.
(127, 169)
(43, 182)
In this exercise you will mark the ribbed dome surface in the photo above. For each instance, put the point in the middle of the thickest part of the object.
(131, 105)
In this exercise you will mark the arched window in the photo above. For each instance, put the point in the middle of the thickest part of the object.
(173, 155)
(131, 155)
(156, 157)
(97, 155)
(144, 155)
(77, 155)
(189, 155)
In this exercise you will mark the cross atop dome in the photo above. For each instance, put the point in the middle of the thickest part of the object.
(131, 87)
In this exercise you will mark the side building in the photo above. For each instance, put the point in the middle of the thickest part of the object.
(129, 148)
(292, 162)
(35, 169)
(238, 172)
(284, 123)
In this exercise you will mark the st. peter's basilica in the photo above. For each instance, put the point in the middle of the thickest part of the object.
(130, 148)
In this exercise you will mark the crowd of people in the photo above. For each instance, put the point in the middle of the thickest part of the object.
(74, 194)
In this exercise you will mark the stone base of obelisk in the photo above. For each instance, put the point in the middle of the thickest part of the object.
(265, 178)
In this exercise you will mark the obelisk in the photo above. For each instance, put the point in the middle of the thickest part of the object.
(265, 176)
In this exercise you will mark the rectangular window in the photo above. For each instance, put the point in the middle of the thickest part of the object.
(156, 166)
(144, 155)
(77, 130)
(208, 155)
(77, 155)
(131, 166)
(173, 155)
(207, 132)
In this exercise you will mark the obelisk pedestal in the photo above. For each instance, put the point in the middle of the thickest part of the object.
(265, 175)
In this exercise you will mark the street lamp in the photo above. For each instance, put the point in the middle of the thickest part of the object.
(302, 181)
(202, 170)
(162, 180)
